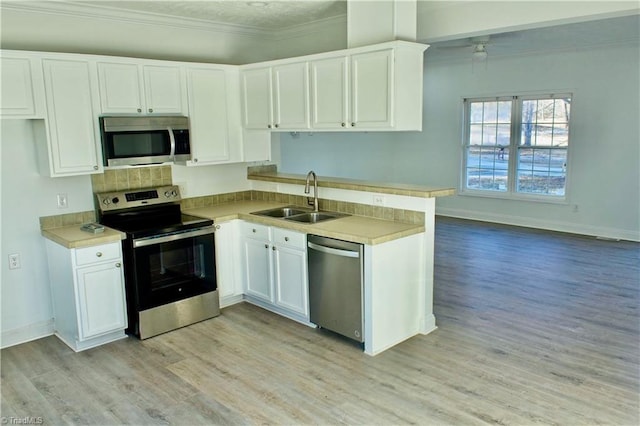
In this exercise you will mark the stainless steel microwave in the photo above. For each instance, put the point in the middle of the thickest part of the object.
(132, 140)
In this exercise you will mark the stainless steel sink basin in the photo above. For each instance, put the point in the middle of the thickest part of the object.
(315, 217)
(283, 212)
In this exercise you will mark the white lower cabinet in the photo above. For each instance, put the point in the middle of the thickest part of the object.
(87, 286)
(228, 266)
(275, 270)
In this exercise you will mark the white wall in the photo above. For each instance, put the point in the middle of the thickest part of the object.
(604, 154)
(26, 299)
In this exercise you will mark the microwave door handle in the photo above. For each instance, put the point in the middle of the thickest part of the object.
(172, 141)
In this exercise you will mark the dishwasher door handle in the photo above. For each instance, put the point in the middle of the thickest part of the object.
(330, 250)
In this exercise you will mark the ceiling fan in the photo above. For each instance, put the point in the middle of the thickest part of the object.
(479, 45)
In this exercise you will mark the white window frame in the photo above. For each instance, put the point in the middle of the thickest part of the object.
(511, 191)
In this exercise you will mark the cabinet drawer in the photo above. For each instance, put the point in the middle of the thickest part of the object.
(95, 254)
(287, 238)
(255, 230)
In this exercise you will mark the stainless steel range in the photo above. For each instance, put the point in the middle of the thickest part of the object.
(169, 259)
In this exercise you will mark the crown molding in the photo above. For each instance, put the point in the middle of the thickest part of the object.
(87, 10)
(307, 28)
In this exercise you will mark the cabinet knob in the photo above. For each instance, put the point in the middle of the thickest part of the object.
(286, 238)
(99, 254)
(268, 126)
(139, 109)
(343, 124)
(195, 160)
(277, 125)
(273, 248)
(95, 167)
(353, 124)
(266, 246)
(217, 226)
(150, 109)
(253, 230)
(118, 265)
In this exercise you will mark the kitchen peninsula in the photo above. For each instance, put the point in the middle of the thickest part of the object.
(395, 222)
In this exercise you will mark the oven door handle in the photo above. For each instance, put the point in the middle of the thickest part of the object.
(149, 241)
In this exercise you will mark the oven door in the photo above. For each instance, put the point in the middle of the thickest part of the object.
(173, 267)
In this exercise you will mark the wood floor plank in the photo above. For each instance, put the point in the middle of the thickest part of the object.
(534, 328)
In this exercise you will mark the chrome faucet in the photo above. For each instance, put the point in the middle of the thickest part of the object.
(313, 203)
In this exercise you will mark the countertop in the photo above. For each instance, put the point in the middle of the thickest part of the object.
(358, 229)
(72, 237)
(356, 185)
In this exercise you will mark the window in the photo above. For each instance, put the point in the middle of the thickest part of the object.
(517, 146)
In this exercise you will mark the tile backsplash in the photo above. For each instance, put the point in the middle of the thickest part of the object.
(131, 178)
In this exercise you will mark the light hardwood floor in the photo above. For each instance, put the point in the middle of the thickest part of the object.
(534, 328)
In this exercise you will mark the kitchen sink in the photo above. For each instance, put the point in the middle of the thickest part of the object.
(315, 217)
(282, 212)
(299, 214)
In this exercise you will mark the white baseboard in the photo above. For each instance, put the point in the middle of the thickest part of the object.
(528, 222)
(25, 334)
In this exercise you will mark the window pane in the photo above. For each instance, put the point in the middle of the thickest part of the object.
(490, 112)
(475, 134)
(487, 168)
(504, 112)
(475, 112)
(541, 171)
(560, 135)
(489, 134)
(504, 134)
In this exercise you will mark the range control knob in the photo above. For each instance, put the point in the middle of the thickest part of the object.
(167, 194)
(115, 200)
(106, 201)
(172, 193)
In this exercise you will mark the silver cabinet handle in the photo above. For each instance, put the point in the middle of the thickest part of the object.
(99, 254)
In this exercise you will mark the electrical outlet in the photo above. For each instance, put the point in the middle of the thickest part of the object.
(63, 201)
(378, 200)
(14, 261)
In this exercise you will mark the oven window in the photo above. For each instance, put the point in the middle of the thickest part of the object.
(172, 271)
(139, 144)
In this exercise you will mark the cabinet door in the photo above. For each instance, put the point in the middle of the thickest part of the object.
(22, 92)
(329, 93)
(256, 98)
(228, 260)
(101, 299)
(291, 96)
(290, 278)
(208, 115)
(163, 90)
(372, 89)
(257, 269)
(73, 139)
(121, 89)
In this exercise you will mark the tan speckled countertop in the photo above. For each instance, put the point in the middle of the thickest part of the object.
(356, 185)
(358, 229)
(72, 237)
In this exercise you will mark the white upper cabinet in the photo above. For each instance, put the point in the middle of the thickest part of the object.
(131, 88)
(69, 139)
(291, 96)
(329, 93)
(207, 92)
(372, 90)
(375, 87)
(22, 87)
(256, 98)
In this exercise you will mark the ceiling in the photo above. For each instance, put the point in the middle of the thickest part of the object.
(264, 15)
(264, 19)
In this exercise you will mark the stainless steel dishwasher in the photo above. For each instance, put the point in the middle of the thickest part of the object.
(335, 285)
